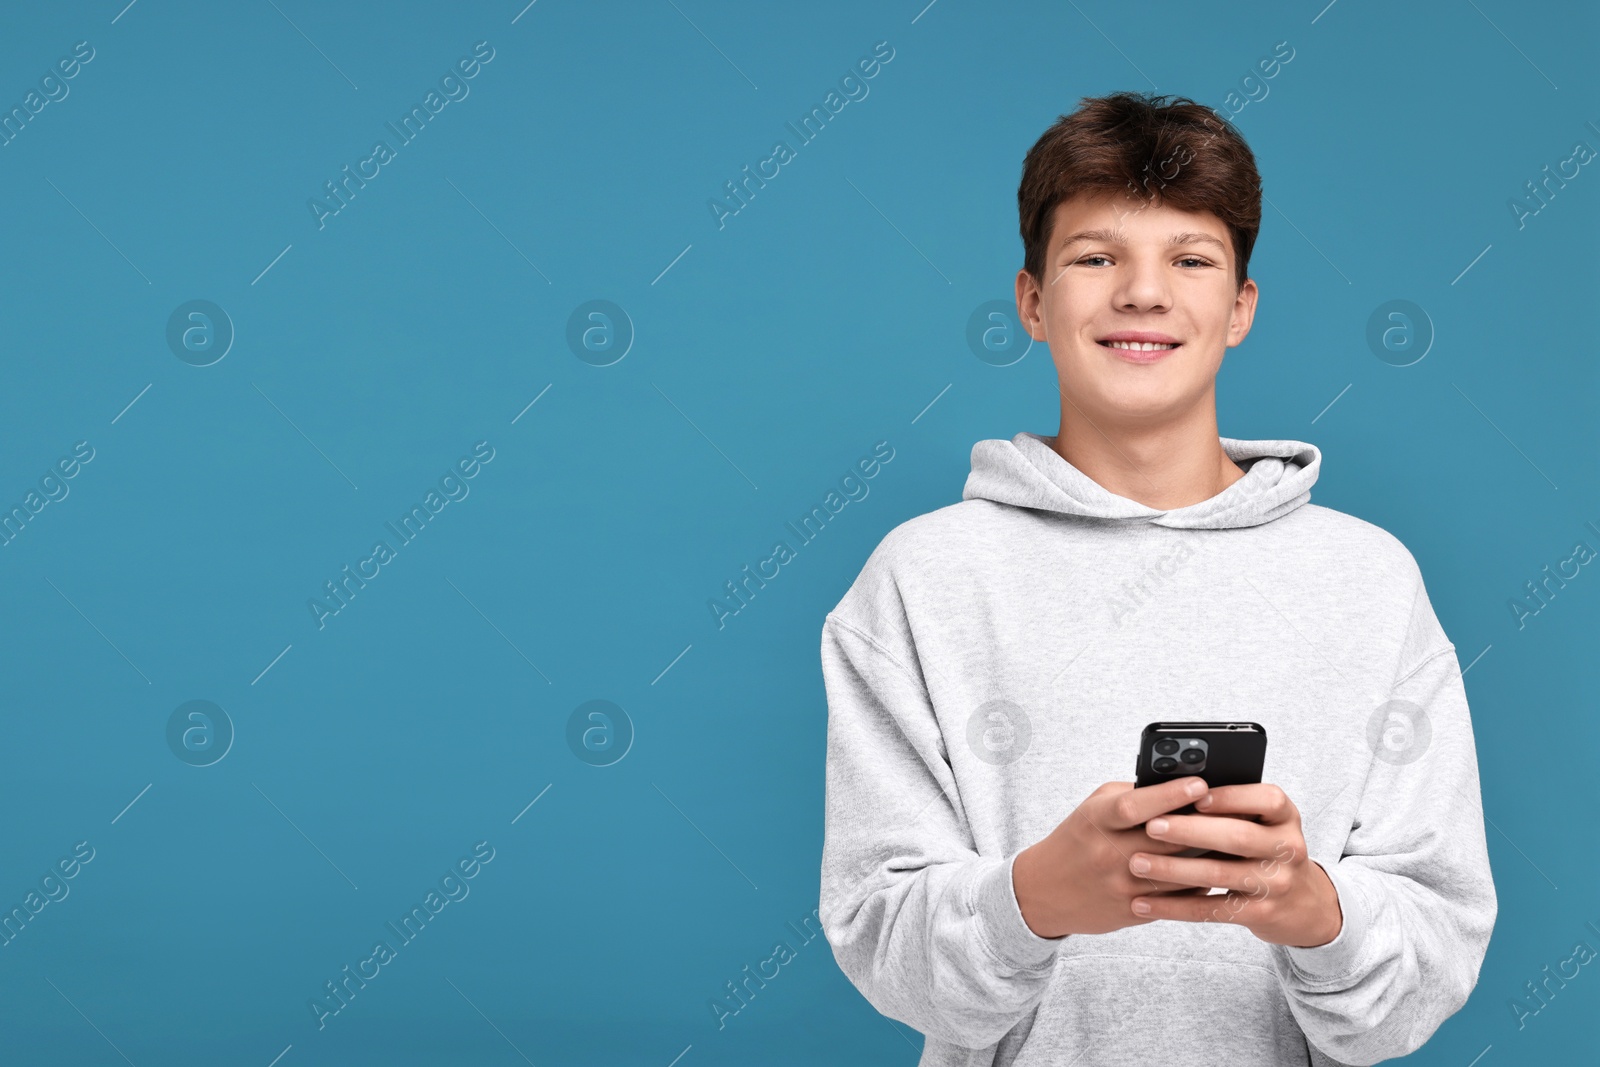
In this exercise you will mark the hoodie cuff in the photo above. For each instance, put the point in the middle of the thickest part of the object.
(1346, 953)
(1001, 926)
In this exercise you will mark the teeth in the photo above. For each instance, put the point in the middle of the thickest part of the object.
(1136, 346)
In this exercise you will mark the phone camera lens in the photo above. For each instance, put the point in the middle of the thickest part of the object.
(1166, 746)
(1192, 755)
(1165, 763)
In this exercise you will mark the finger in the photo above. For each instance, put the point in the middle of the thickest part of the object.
(1139, 840)
(1128, 842)
(1241, 876)
(1156, 887)
(1188, 892)
(1222, 834)
(1232, 908)
(1268, 801)
(1128, 808)
(1148, 884)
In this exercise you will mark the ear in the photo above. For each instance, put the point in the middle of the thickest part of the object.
(1030, 310)
(1244, 312)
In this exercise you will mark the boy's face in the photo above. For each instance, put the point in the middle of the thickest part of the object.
(1129, 279)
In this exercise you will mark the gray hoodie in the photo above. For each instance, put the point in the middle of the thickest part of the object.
(995, 662)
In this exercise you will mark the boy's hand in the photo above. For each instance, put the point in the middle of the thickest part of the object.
(1275, 890)
(1077, 879)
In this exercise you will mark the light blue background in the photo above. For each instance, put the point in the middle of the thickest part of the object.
(826, 316)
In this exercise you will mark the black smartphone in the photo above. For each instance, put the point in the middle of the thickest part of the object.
(1222, 753)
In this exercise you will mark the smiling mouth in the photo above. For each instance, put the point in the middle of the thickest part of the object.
(1137, 346)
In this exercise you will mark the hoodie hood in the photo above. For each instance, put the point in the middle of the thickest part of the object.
(1026, 472)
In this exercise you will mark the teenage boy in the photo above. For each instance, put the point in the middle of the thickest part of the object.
(988, 875)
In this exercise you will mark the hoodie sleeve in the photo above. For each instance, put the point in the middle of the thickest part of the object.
(927, 929)
(1413, 879)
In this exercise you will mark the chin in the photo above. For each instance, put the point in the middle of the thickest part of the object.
(1142, 400)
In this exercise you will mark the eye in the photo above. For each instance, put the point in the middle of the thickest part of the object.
(1194, 259)
(1096, 255)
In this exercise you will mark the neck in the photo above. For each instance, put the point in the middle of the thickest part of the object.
(1166, 466)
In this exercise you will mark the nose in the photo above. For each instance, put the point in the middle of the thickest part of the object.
(1142, 285)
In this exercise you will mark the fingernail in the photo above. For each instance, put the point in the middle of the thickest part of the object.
(1195, 788)
(1204, 802)
(1140, 865)
(1141, 907)
(1156, 826)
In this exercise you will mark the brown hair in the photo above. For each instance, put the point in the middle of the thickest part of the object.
(1162, 149)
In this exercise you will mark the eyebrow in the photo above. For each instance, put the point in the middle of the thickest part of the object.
(1117, 237)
